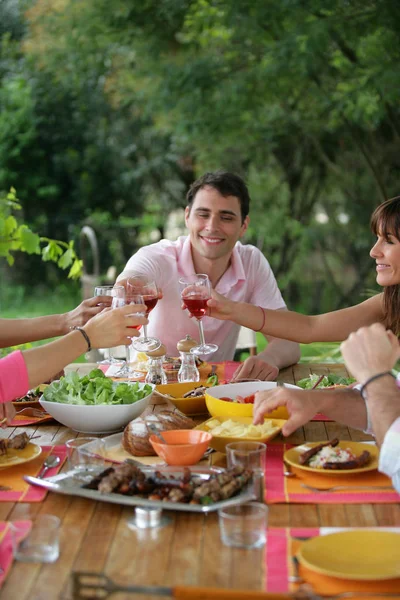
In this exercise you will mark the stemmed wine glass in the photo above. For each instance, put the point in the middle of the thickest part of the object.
(147, 288)
(116, 291)
(195, 291)
(126, 370)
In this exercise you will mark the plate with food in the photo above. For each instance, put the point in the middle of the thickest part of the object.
(329, 381)
(17, 450)
(226, 430)
(188, 397)
(358, 555)
(194, 489)
(31, 399)
(334, 457)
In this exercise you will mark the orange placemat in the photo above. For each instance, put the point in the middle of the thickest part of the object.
(289, 489)
(6, 552)
(15, 489)
(282, 545)
(30, 416)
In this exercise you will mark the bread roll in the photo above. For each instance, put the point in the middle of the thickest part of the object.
(135, 439)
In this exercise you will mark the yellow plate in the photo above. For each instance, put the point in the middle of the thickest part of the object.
(189, 406)
(18, 457)
(219, 442)
(291, 457)
(358, 555)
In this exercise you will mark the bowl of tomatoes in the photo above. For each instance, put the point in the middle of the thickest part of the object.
(237, 399)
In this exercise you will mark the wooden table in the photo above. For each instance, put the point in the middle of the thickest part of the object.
(95, 536)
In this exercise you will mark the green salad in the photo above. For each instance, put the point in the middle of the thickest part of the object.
(331, 379)
(94, 388)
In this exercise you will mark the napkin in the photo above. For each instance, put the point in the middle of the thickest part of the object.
(6, 552)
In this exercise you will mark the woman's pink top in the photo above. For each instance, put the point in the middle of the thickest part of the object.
(13, 377)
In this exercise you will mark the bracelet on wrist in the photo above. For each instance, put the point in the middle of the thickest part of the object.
(374, 378)
(85, 335)
(263, 321)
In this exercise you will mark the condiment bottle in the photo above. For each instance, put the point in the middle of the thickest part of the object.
(156, 373)
(188, 370)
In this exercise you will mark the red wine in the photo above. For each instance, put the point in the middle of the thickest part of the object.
(150, 302)
(196, 305)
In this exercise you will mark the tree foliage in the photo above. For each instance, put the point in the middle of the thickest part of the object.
(16, 236)
(112, 110)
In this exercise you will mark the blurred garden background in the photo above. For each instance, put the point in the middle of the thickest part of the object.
(108, 111)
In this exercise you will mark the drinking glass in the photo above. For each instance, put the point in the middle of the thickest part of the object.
(147, 288)
(250, 455)
(195, 291)
(40, 543)
(126, 371)
(243, 525)
(117, 291)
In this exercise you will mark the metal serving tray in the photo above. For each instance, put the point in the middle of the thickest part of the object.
(68, 484)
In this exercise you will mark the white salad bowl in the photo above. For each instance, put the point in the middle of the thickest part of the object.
(96, 418)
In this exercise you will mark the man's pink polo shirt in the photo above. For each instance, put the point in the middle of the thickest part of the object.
(249, 278)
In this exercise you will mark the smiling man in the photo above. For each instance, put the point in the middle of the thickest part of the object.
(216, 217)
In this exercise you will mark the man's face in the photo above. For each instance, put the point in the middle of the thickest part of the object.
(214, 223)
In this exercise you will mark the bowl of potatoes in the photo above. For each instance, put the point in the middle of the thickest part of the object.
(225, 430)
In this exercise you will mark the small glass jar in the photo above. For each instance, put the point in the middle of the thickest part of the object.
(188, 370)
(156, 373)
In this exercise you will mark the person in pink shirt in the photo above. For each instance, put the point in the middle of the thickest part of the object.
(20, 371)
(216, 217)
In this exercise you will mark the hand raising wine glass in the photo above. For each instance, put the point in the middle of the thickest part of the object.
(147, 288)
(195, 291)
(126, 370)
(116, 291)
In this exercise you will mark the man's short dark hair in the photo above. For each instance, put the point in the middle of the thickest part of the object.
(227, 184)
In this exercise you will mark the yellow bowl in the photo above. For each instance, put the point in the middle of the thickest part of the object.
(189, 406)
(222, 408)
(219, 442)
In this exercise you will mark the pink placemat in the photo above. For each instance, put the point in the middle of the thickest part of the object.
(15, 489)
(283, 544)
(281, 489)
(6, 551)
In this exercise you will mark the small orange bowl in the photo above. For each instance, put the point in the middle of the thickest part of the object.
(183, 447)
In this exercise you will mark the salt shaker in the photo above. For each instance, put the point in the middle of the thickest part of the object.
(188, 370)
(156, 373)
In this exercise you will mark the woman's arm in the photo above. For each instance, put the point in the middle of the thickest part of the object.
(109, 328)
(329, 327)
(19, 331)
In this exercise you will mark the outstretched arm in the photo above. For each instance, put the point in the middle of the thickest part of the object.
(344, 405)
(289, 325)
(368, 352)
(19, 331)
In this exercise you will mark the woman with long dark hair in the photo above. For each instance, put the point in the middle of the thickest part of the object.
(334, 326)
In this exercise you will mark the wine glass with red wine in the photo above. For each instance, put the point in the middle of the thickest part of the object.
(195, 291)
(147, 288)
(126, 370)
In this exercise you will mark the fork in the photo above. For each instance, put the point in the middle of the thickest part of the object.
(346, 487)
